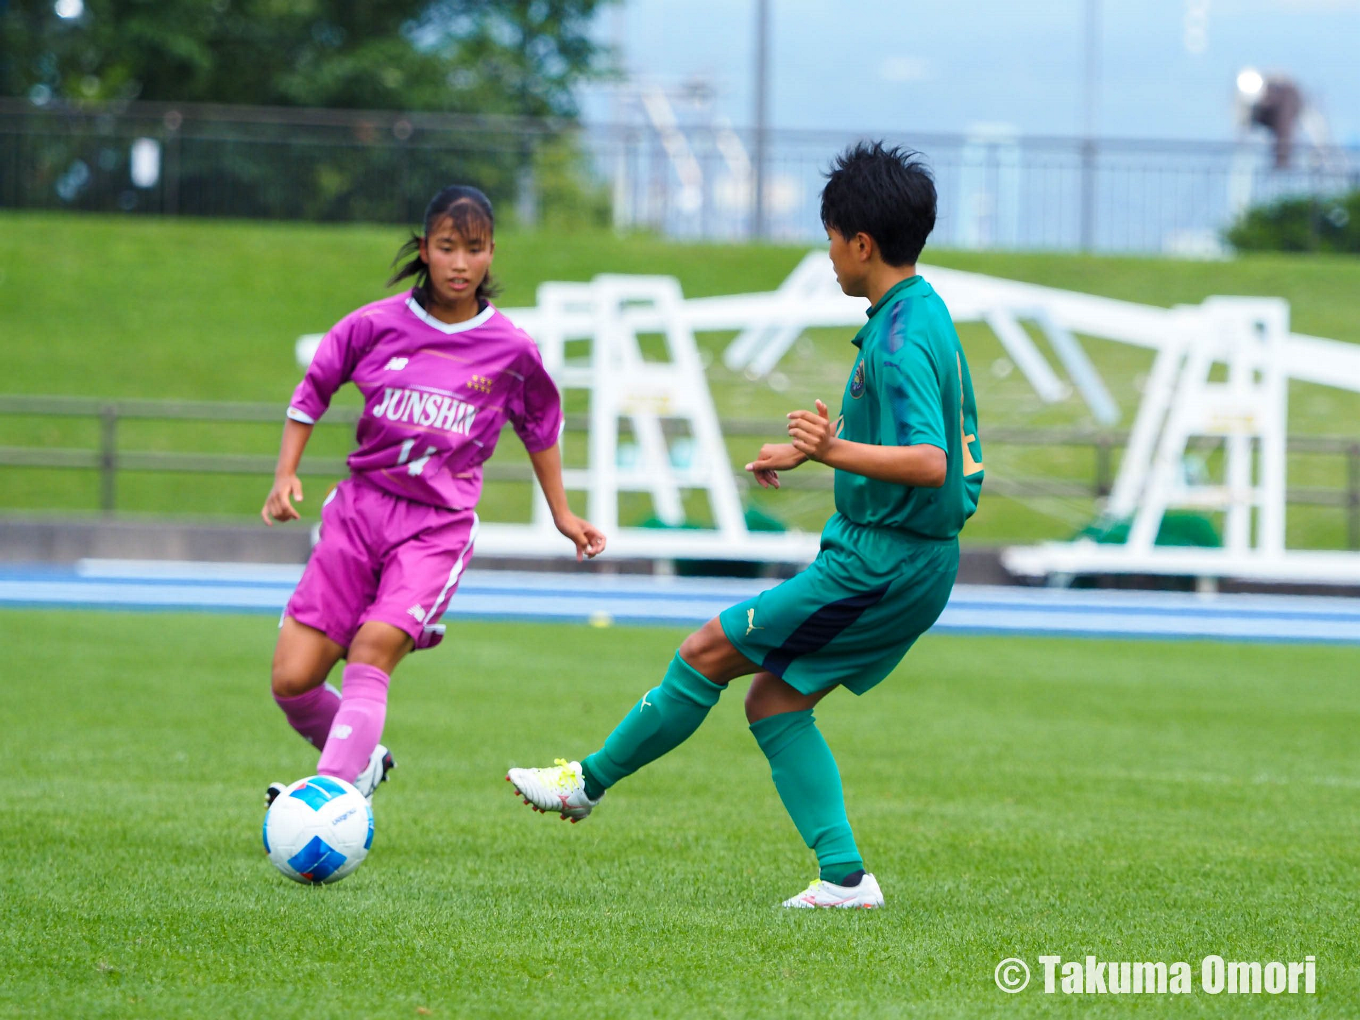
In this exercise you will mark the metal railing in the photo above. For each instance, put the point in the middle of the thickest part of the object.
(997, 189)
(108, 459)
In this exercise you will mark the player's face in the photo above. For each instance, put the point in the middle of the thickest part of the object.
(458, 264)
(849, 270)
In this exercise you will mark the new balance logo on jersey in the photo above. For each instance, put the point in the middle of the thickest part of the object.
(396, 364)
(428, 409)
(418, 612)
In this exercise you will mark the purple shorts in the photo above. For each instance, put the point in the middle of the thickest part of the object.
(381, 557)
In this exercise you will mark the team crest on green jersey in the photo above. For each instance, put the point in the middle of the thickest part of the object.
(857, 380)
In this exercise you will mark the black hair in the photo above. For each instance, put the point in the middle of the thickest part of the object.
(470, 211)
(888, 193)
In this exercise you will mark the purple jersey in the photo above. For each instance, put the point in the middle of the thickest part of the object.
(436, 396)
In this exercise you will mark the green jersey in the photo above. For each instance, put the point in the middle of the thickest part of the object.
(910, 385)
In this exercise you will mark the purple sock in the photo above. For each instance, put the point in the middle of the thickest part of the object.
(311, 713)
(358, 725)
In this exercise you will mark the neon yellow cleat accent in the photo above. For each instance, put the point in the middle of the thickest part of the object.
(560, 788)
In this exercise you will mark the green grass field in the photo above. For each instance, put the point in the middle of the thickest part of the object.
(209, 310)
(1132, 800)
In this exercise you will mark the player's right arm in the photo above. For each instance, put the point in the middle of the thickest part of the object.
(278, 505)
(773, 458)
(917, 464)
(330, 368)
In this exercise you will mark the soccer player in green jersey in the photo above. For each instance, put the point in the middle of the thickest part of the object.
(908, 474)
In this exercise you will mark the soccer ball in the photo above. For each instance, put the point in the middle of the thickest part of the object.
(318, 830)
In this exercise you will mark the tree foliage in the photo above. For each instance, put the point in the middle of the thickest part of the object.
(464, 56)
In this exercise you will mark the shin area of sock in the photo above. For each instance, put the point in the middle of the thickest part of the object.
(358, 724)
(312, 713)
(661, 721)
(809, 784)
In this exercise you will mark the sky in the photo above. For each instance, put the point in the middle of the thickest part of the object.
(1168, 67)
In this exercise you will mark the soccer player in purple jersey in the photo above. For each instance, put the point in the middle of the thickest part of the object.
(441, 371)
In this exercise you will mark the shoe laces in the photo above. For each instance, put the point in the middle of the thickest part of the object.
(564, 777)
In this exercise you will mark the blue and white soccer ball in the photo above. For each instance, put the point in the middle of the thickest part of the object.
(318, 830)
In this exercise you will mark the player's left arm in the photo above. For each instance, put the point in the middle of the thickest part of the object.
(535, 412)
(921, 465)
(589, 540)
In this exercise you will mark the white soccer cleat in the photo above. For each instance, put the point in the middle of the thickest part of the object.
(865, 896)
(379, 764)
(561, 788)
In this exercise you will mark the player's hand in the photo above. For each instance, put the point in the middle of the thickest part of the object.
(772, 459)
(589, 539)
(812, 434)
(279, 507)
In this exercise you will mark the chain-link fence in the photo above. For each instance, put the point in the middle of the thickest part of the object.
(997, 189)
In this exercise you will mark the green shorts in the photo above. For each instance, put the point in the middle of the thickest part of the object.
(851, 616)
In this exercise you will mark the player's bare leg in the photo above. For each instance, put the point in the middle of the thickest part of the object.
(768, 695)
(710, 654)
(660, 722)
(380, 644)
(303, 658)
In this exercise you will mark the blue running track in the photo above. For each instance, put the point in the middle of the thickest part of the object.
(603, 599)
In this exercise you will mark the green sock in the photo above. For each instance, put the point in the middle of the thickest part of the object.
(660, 722)
(809, 784)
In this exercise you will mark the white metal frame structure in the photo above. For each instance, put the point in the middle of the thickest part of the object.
(610, 314)
(1249, 413)
(1250, 336)
(810, 296)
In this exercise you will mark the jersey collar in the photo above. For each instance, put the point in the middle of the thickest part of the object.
(449, 327)
(892, 293)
